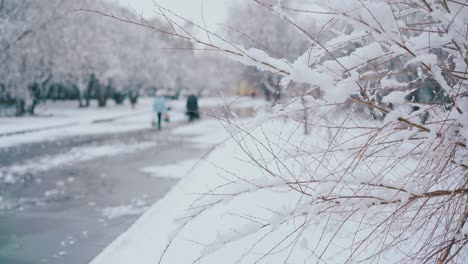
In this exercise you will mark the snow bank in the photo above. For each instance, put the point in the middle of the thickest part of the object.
(240, 205)
(177, 170)
(137, 207)
(63, 119)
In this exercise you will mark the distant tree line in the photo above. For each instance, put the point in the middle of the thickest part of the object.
(70, 50)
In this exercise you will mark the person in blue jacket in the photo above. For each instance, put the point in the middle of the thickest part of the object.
(159, 108)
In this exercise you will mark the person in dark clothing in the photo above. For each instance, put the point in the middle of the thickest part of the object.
(192, 107)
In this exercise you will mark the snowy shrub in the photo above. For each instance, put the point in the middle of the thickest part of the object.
(381, 177)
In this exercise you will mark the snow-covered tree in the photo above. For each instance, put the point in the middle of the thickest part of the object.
(253, 26)
(25, 61)
(66, 43)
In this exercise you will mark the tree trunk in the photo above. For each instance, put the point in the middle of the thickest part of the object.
(88, 96)
(91, 90)
(35, 94)
(32, 107)
(20, 107)
(80, 99)
(101, 96)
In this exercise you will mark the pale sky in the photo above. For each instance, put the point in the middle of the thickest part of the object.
(214, 10)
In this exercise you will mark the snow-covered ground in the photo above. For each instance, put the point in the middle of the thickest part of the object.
(176, 170)
(93, 184)
(145, 240)
(60, 120)
(61, 113)
(136, 207)
(64, 119)
(239, 204)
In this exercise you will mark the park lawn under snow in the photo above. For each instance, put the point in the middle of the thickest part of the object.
(61, 113)
(230, 210)
(64, 119)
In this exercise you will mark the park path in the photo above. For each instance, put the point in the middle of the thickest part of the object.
(69, 211)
